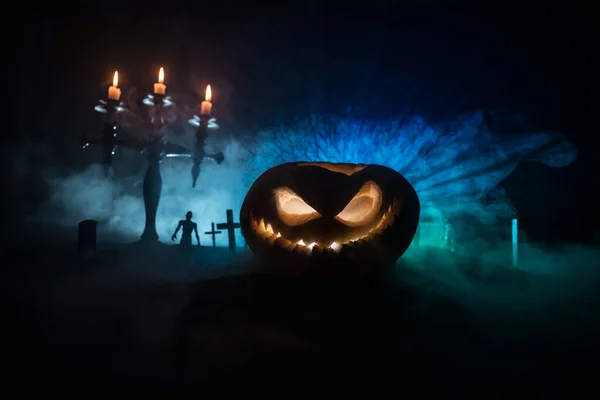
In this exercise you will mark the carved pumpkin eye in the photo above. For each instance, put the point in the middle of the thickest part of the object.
(363, 207)
(292, 210)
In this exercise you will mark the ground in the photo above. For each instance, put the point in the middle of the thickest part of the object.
(157, 320)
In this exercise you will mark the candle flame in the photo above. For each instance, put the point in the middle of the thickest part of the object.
(161, 75)
(208, 94)
(116, 79)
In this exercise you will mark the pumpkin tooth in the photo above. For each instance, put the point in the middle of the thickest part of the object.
(265, 234)
(370, 236)
(302, 249)
(376, 232)
(282, 242)
(357, 240)
(269, 229)
(317, 250)
(335, 246)
(261, 225)
(348, 244)
(271, 239)
(383, 221)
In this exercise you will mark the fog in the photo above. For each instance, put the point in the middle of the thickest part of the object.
(459, 267)
(456, 168)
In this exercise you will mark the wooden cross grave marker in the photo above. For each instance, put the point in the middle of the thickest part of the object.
(230, 227)
(213, 232)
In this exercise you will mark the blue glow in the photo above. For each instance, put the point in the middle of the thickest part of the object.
(456, 171)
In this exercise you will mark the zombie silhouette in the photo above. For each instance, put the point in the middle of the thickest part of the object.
(186, 235)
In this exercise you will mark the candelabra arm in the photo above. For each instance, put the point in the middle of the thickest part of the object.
(195, 172)
(108, 141)
(86, 140)
(198, 154)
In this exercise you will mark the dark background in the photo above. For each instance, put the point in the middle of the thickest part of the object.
(273, 63)
(277, 63)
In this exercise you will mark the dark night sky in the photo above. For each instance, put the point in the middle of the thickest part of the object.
(274, 63)
(291, 59)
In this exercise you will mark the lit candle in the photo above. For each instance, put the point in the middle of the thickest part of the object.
(160, 87)
(114, 93)
(206, 106)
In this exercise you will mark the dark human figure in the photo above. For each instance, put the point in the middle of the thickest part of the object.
(186, 235)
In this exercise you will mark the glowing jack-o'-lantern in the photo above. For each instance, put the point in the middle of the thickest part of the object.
(317, 214)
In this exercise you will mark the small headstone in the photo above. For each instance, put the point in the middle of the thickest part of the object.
(515, 242)
(87, 238)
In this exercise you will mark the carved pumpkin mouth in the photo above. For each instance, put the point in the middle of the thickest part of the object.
(264, 230)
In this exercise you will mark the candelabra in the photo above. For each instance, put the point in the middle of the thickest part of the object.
(153, 146)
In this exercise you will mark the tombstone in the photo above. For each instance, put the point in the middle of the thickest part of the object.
(449, 237)
(515, 242)
(213, 232)
(230, 226)
(87, 238)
